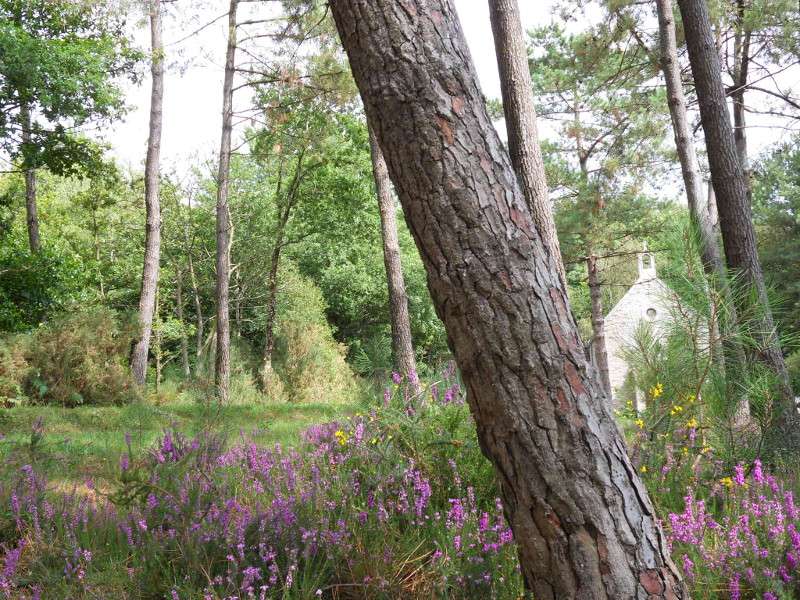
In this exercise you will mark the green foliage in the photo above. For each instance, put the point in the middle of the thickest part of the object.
(776, 211)
(35, 286)
(60, 60)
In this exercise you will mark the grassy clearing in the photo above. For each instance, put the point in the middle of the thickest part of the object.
(87, 441)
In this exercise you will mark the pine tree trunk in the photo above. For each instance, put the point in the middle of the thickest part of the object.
(735, 216)
(741, 61)
(582, 519)
(31, 211)
(598, 325)
(723, 328)
(693, 183)
(222, 370)
(520, 112)
(152, 239)
(402, 346)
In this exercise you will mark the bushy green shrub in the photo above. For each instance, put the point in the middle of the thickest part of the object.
(13, 369)
(310, 363)
(81, 359)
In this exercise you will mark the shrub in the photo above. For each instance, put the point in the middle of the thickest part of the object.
(743, 541)
(81, 359)
(13, 369)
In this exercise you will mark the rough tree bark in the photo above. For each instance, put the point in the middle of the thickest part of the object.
(582, 519)
(31, 212)
(402, 346)
(733, 206)
(222, 362)
(152, 238)
(518, 105)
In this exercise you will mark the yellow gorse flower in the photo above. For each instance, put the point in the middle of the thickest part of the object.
(676, 409)
(643, 469)
(692, 423)
(341, 437)
(656, 390)
(726, 481)
(639, 423)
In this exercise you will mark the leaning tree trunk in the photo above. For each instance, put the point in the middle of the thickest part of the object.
(724, 326)
(222, 363)
(582, 519)
(733, 206)
(692, 180)
(152, 238)
(31, 212)
(520, 112)
(402, 347)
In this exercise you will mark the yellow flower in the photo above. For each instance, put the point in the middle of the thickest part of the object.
(639, 423)
(691, 398)
(726, 481)
(643, 469)
(691, 423)
(685, 451)
(656, 390)
(676, 409)
(341, 437)
(705, 450)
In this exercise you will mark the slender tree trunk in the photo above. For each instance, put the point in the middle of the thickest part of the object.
(152, 239)
(31, 211)
(581, 517)
(520, 112)
(96, 237)
(198, 311)
(598, 325)
(179, 314)
(402, 346)
(693, 183)
(157, 350)
(741, 62)
(222, 361)
(735, 217)
(599, 353)
(272, 303)
(723, 329)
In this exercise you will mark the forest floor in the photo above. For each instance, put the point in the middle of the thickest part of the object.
(86, 442)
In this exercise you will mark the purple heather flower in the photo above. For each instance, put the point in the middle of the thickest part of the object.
(738, 477)
(758, 474)
(397, 378)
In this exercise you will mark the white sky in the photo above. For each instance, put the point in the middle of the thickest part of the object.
(193, 84)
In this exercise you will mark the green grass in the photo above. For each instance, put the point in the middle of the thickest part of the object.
(87, 441)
